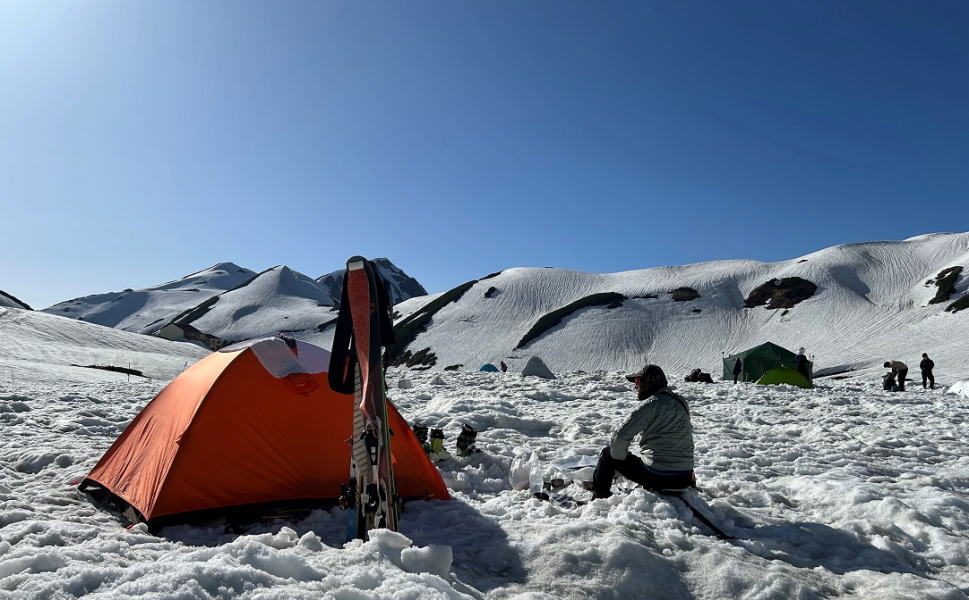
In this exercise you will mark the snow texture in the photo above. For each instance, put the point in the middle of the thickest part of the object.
(842, 491)
(37, 346)
(871, 305)
(147, 310)
(277, 300)
(960, 388)
(9, 301)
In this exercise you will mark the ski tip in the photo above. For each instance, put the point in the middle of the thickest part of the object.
(356, 262)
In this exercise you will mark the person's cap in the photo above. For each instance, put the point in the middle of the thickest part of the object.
(648, 372)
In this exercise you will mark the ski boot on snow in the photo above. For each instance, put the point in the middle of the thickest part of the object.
(420, 431)
(465, 441)
(437, 445)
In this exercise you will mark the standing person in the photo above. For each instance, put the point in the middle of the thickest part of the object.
(926, 366)
(504, 367)
(802, 364)
(738, 366)
(666, 438)
(900, 370)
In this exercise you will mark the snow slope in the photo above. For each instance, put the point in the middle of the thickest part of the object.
(400, 285)
(147, 310)
(871, 305)
(839, 492)
(37, 346)
(278, 299)
(8, 301)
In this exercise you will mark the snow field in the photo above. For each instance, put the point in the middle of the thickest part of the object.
(40, 348)
(840, 491)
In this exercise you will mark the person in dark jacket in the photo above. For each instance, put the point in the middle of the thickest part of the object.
(900, 370)
(926, 366)
(504, 367)
(738, 366)
(666, 438)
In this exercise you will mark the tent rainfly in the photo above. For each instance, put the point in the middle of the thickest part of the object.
(760, 359)
(536, 367)
(785, 375)
(253, 423)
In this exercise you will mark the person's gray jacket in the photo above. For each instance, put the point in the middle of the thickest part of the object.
(666, 434)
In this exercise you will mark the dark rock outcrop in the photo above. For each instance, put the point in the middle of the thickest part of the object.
(400, 285)
(781, 293)
(945, 282)
(684, 294)
(608, 299)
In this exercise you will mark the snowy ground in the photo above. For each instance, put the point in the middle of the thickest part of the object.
(843, 491)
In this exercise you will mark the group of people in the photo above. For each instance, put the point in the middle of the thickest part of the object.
(662, 423)
(895, 380)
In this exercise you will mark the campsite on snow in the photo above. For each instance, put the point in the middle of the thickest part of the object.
(484, 300)
(836, 488)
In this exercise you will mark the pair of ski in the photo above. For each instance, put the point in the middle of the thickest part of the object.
(364, 326)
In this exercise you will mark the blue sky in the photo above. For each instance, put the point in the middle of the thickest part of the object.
(141, 141)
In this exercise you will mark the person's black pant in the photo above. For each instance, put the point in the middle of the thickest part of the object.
(900, 376)
(633, 469)
(735, 376)
(928, 377)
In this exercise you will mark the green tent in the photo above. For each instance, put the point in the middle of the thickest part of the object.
(760, 359)
(784, 375)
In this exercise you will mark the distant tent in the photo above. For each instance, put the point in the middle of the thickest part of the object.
(760, 359)
(784, 375)
(489, 368)
(253, 423)
(537, 368)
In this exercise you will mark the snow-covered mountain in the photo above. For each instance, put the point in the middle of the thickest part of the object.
(44, 347)
(228, 302)
(852, 306)
(400, 285)
(147, 310)
(10, 301)
(277, 300)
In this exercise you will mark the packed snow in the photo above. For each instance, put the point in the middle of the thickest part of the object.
(841, 491)
(36, 346)
(960, 388)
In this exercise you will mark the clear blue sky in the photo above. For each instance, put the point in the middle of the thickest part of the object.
(141, 141)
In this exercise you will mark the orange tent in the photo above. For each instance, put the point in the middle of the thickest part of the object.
(253, 423)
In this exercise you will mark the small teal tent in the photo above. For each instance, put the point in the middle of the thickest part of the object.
(490, 368)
